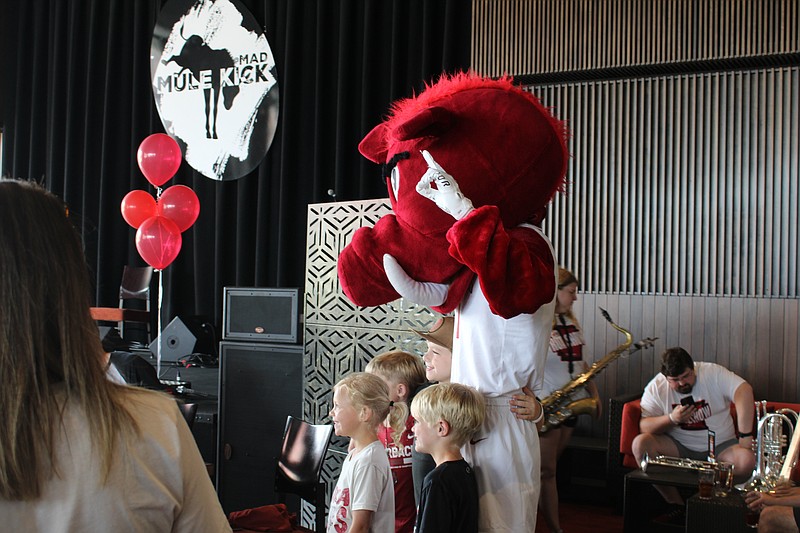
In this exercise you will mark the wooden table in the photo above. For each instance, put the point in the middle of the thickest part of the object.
(117, 314)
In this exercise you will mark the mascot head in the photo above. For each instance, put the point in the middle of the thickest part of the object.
(502, 146)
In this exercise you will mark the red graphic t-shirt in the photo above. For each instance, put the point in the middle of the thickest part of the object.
(698, 420)
(405, 508)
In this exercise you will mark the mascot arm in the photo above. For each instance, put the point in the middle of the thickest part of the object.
(360, 268)
(364, 281)
(516, 268)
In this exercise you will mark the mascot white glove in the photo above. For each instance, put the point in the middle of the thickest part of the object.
(447, 195)
(420, 292)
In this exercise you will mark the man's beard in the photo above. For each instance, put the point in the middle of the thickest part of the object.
(685, 389)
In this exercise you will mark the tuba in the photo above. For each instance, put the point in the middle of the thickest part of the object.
(562, 404)
(772, 467)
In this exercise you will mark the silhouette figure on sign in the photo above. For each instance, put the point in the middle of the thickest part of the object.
(197, 57)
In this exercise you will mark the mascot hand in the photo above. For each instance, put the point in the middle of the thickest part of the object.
(447, 195)
(419, 292)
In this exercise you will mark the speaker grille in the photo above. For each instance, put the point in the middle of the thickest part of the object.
(260, 315)
(260, 385)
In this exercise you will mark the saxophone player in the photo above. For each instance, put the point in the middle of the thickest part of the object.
(564, 363)
(682, 403)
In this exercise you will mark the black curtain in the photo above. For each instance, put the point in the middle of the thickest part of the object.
(77, 102)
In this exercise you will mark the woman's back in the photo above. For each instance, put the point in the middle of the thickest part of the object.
(157, 483)
(78, 452)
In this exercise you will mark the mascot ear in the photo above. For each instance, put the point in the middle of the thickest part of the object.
(374, 145)
(430, 122)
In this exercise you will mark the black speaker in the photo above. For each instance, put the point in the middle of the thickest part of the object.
(204, 430)
(260, 385)
(185, 335)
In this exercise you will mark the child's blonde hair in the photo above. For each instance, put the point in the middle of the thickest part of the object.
(462, 407)
(399, 367)
(370, 391)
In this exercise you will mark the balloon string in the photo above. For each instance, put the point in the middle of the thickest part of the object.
(158, 320)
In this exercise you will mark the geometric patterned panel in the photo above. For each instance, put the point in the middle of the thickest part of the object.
(330, 228)
(340, 337)
(332, 352)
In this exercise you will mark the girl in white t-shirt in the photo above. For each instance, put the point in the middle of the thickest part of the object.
(363, 500)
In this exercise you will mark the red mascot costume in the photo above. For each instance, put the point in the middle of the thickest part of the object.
(471, 164)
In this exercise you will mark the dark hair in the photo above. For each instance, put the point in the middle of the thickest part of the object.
(50, 353)
(675, 361)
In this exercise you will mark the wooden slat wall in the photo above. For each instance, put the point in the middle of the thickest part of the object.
(682, 184)
(758, 338)
(521, 37)
(682, 204)
(682, 215)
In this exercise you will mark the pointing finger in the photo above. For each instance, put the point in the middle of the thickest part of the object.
(431, 161)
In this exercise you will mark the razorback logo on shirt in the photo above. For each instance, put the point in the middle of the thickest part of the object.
(564, 337)
(399, 455)
(697, 422)
(395, 452)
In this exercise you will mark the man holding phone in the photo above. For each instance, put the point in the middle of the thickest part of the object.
(686, 401)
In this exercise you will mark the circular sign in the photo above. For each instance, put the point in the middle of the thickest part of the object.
(215, 85)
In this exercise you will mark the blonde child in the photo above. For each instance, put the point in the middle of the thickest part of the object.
(403, 373)
(363, 500)
(446, 416)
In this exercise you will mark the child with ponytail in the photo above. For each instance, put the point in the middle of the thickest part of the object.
(363, 500)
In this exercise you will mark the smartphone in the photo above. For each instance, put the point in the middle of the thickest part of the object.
(687, 401)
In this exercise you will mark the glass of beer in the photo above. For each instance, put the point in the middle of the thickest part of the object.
(724, 479)
(751, 518)
(705, 481)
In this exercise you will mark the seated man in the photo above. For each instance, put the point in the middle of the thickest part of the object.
(680, 429)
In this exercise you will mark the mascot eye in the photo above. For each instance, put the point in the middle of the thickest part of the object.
(390, 171)
(395, 179)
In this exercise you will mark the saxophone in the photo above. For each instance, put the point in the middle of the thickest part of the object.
(561, 405)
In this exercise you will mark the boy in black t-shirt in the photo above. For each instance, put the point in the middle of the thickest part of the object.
(446, 416)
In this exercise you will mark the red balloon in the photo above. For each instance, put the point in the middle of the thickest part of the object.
(158, 240)
(138, 206)
(179, 203)
(159, 158)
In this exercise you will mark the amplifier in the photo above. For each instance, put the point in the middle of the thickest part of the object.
(204, 430)
(253, 314)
